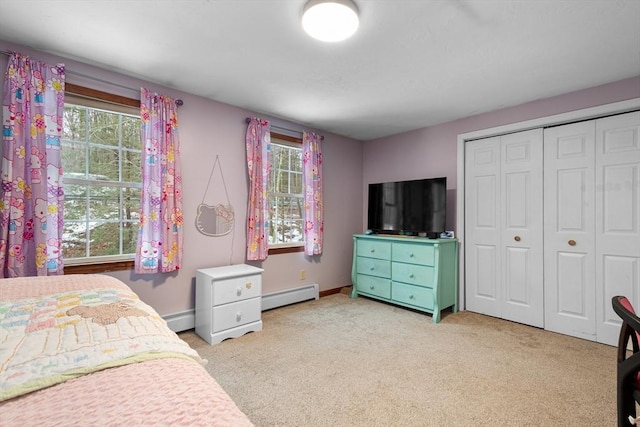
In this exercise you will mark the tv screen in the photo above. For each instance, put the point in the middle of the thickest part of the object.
(416, 207)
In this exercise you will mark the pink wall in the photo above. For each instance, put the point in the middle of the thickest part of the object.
(207, 129)
(432, 151)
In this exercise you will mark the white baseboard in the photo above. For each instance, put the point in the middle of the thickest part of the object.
(290, 296)
(181, 321)
(185, 320)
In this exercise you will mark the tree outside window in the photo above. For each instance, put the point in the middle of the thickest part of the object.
(102, 180)
(286, 198)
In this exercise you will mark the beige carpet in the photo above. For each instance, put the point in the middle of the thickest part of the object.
(344, 362)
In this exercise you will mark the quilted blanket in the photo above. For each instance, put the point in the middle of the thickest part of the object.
(48, 338)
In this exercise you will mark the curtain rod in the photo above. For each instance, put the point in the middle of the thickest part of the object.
(179, 102)
(297, 132)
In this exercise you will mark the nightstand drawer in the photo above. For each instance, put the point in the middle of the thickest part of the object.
(236, 314)
(373, 249)
(415, 254)
(374, 286)
(410, 273)
(236, 289)
(374, 267)
(414, 295)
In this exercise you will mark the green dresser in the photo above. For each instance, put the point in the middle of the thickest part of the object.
(413, 272)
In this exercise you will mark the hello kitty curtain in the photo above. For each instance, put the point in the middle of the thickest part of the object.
(160, 236)
(313, 197)
(31, 201)
(258, 142)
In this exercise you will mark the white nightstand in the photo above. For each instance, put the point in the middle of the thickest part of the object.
(228, 302)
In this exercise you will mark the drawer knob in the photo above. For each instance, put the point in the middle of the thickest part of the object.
(238, 316)
(370, 286)
(248, 285)
(517, 238)
(411, 296)
(371, 268)
(572, 242)
(411, 255)
(239, 291)
(411, 276)
(373, 251)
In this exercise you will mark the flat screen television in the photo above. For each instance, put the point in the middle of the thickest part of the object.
(414, 208)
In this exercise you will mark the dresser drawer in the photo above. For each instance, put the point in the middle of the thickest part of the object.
(374, 286)
(415, 254)
(373, 267)
(420, 275)
(413, 295)
(373, 249)
(236, 289)
(236, 314)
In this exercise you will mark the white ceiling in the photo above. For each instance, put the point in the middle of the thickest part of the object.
(411, 64)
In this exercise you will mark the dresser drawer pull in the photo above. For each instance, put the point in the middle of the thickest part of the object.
(238, 316)
(411, 296)
(371, 268)
(373, 251)
(411, 255)
(239, 291)
(411, 276)
(371, 287)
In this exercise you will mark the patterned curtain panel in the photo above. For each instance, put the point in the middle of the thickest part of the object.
(31, 206)
(160, 236)
(313, 199)
(258, 140)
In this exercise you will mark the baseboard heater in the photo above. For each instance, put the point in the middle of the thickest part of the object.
(181, 321)
(185, 320)
(290, 296)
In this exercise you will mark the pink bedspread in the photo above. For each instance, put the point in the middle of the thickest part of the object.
(165, 391)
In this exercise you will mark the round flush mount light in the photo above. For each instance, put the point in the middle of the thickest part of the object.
(330, 20)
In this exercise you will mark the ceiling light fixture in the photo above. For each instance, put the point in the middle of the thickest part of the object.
(330, 20)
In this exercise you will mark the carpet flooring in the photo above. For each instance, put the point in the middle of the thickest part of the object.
(339, 361)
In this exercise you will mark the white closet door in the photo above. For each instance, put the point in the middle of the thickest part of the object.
(617, 219)
(503, 227)
(569, 215)
(482, 226)
(521, 234)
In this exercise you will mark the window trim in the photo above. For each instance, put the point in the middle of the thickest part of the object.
(285, 248)
(116, 263)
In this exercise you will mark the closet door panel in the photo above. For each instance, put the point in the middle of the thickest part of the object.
(482, 179)
(617, 218)
(569, 215)
(521, 194)
(574, 297)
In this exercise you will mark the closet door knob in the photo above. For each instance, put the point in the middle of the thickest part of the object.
(571, 242)
(517, 238)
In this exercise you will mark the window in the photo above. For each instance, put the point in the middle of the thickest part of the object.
(285, 193)
(101, 160)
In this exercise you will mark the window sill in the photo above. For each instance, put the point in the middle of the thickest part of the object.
(286, 250)
(99, 267)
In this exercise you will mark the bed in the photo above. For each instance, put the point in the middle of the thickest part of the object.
(85, 350)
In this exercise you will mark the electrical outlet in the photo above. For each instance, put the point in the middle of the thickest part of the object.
(303, 274)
